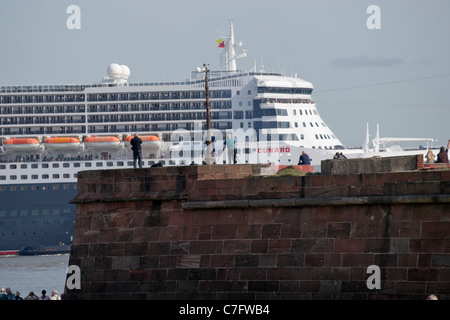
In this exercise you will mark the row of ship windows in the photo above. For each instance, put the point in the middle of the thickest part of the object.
(6, 99)
(164, 95)
(33, 223)
(34, 187)
(35, 176)
(115, 129)
(284, 90)
(284, 112)
(34, 212)
(135, 107)
(67, 165)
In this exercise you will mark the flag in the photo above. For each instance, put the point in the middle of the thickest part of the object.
(220, 43)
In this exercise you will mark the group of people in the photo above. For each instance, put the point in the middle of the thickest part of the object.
(442, 156)
(6, 294)
(228, 144)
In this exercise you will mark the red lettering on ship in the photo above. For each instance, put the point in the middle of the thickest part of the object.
(274, 150)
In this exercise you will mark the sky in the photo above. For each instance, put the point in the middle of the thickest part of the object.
(396, 75)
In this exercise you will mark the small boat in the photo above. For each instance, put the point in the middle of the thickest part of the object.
(149, 141)
(21, 144)
(8, 252)
(62, 143)
(35, 251)
(102, 142)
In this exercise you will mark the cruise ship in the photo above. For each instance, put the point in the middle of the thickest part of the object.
(48, 133)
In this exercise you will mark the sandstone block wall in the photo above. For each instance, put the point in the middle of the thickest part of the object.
(220, 232)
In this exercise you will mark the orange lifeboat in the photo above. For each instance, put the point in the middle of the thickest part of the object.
(147, 141)
(104, 142)
(21, 144)
(62, 143)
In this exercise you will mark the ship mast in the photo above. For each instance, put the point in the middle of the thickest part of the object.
(229, 56)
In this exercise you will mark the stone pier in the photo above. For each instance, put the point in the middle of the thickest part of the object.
(232, 232)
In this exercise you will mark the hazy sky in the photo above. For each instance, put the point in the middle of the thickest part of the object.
(397, 76)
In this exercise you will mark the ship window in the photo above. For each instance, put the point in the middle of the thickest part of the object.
(13, 177)
(66, 176)
(120, 163)
(88, 164)
(45, 212)
(24, 213)
(56, 212)
(55, 165)
(56, 176)
(13, 166)
(66, 165)
(34, 166)
(2, 177)
(76, 164)
(109, 164)
(296, 124)
(2, 213)
(45, 176)
(99, 164)
(75, 176)
(2, 167)
(24, 177)
(302, 136)
(45, 165)
(23, 166)
(13, 213)
(34, 176)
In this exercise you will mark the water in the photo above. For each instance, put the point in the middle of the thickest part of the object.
(34, 273)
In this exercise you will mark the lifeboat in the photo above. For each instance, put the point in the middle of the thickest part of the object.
(62, 143)
(148, 142)
(21, 144)
(104, 142)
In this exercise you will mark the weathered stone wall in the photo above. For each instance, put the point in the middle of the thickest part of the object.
(371, 165)
(220, 232)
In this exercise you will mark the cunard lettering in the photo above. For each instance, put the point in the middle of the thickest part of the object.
(274, 150)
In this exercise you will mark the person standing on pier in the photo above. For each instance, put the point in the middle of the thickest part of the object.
(136, 147)
(229, 144)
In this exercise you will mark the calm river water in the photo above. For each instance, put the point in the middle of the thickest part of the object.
(34, 273)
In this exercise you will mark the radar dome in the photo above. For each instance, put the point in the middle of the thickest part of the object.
(114, 70)
(125, 71)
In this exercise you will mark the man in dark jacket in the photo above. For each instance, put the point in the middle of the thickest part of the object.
(304, 159)
(136, 147)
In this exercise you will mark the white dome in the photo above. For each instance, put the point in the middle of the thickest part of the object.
(125, 71)
(114, 70)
